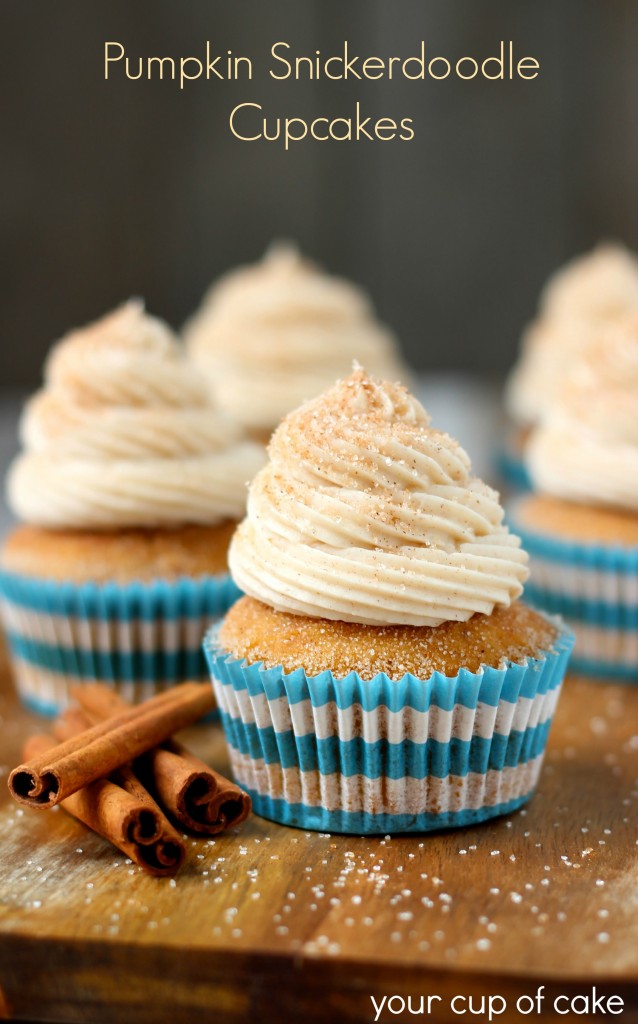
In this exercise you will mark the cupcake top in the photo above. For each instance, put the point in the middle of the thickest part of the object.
(271, 335)
(366, 514)
(587, 449)
(123, 434)
(579, 301)
(600, 285)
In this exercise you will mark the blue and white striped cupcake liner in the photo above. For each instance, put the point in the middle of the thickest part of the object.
(511, 468)
(348, 755)
(138, 637)
(594, 588)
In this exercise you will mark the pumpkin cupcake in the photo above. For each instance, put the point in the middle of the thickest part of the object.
(380, 674)
(128, 491)
(581, 528)
(579, 300)
(271, 335)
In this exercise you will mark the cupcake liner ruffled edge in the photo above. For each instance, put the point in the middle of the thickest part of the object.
(594, 588)
(377, 756)
(511, 467)
(139, 638)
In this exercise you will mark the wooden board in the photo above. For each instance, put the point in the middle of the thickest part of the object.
(274, 924)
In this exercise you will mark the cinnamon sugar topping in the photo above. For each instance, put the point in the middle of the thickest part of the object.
(367, 514)
(253, 631)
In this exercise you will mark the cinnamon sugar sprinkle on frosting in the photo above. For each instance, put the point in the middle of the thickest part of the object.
(367, 514)
(124, 434)
(586, 449)
(270, 335)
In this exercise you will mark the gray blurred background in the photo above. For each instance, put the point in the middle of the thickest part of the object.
(109, 189)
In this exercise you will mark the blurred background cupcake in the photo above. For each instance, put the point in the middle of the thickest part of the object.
(581, 529)
(380, 675)
(579, 300)
(127, 491)
(271, 335)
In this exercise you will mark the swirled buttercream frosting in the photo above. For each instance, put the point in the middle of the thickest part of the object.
(579, 301)
(587, 449)
(366, 514)
(272, 335)
(123, 434)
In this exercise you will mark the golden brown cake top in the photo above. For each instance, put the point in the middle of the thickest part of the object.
(554, 517)
(253, 631)
(80, 556)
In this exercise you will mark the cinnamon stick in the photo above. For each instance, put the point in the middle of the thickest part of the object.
(73, 721)
(201, 799)
(57, 773)
(130, 821)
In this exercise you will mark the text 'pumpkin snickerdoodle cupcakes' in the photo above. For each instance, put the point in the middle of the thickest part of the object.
(128, 491)
(381, 675)
(581, 528)
(271, 335)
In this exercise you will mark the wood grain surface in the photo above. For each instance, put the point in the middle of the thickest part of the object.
(275, 924)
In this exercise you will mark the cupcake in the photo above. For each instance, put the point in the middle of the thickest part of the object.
(581, 529)
(583, 297)
(128, 490)
(380, 675)
(272, 335)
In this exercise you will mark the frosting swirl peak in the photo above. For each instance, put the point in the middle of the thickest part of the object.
(587, 448)
(272, 335)
(123, 434)
(599, 285)
(578, 302)
(365, 513)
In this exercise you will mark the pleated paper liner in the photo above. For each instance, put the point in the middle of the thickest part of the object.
(594, 588)
(376, 756)
(140, 638)
(511, 468)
